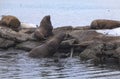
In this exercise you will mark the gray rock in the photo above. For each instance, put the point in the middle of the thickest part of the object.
(4, 43)
(82, 28)
(9, 34)
(84, 35)
(68, 43)
(92, 51)
(63, 29)
(117, 53)
(28, 45)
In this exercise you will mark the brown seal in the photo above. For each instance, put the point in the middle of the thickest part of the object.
(104, 24)
(45, 28)
(11, 22)
(49, 48)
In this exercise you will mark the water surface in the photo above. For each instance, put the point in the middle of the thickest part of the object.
(15, 64)
(63, 12)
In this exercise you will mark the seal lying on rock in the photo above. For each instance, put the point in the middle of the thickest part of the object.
(11, 22)
(49, 48)
(45, 28)
(104, 24)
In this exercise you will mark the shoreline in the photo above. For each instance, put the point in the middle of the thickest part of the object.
(97, 45)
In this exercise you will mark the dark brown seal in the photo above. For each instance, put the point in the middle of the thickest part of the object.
(45, 28)
(11, 22)
(104, 24)
(49, 48)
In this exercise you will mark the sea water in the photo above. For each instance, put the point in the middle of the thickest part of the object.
(15, 64)
(63, 12)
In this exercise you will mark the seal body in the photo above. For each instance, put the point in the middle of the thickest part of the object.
(11, 22)
(45, 28)
(104, 24)
(49, 48)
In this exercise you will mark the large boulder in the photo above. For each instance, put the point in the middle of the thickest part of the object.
(104, 24)
(104, 52)
(91, 51)
(9, 34)
(11, 22)
(84, 35)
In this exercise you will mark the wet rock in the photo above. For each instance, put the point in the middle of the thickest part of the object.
(9, 34)
(92, 51)
(117, 53)
(110, 46)
(28, 45)
(11, 22)
(68, 43)
(84, 35)
(4, 43)
(104, 24)
(118, 50)
(81, 28)
(101, 52)
(28, 30)
(63, 29)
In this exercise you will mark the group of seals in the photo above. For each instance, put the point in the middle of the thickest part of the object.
(49, 48)
(104, 24)
(45, 28)
(42, 32)
(11, 22)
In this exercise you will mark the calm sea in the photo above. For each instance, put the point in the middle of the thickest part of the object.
(63, 12)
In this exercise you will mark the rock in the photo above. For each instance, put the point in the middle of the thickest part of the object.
(9, 34)
(28, 45)
(45, 29)
(81, 28)
(92, 51)
(4, 43)
(117, 53)
(28, 30)
(101, 53)
(11, 22)
(84, 35)
(67, 43)
(104, 24)
(63, 29)
(117, 50)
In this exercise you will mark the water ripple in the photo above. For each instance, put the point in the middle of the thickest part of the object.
(15, 64)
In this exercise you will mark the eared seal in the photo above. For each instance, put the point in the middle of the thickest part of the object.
(45, 28)
(11, 22)
(49, 48)
(104, 24)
